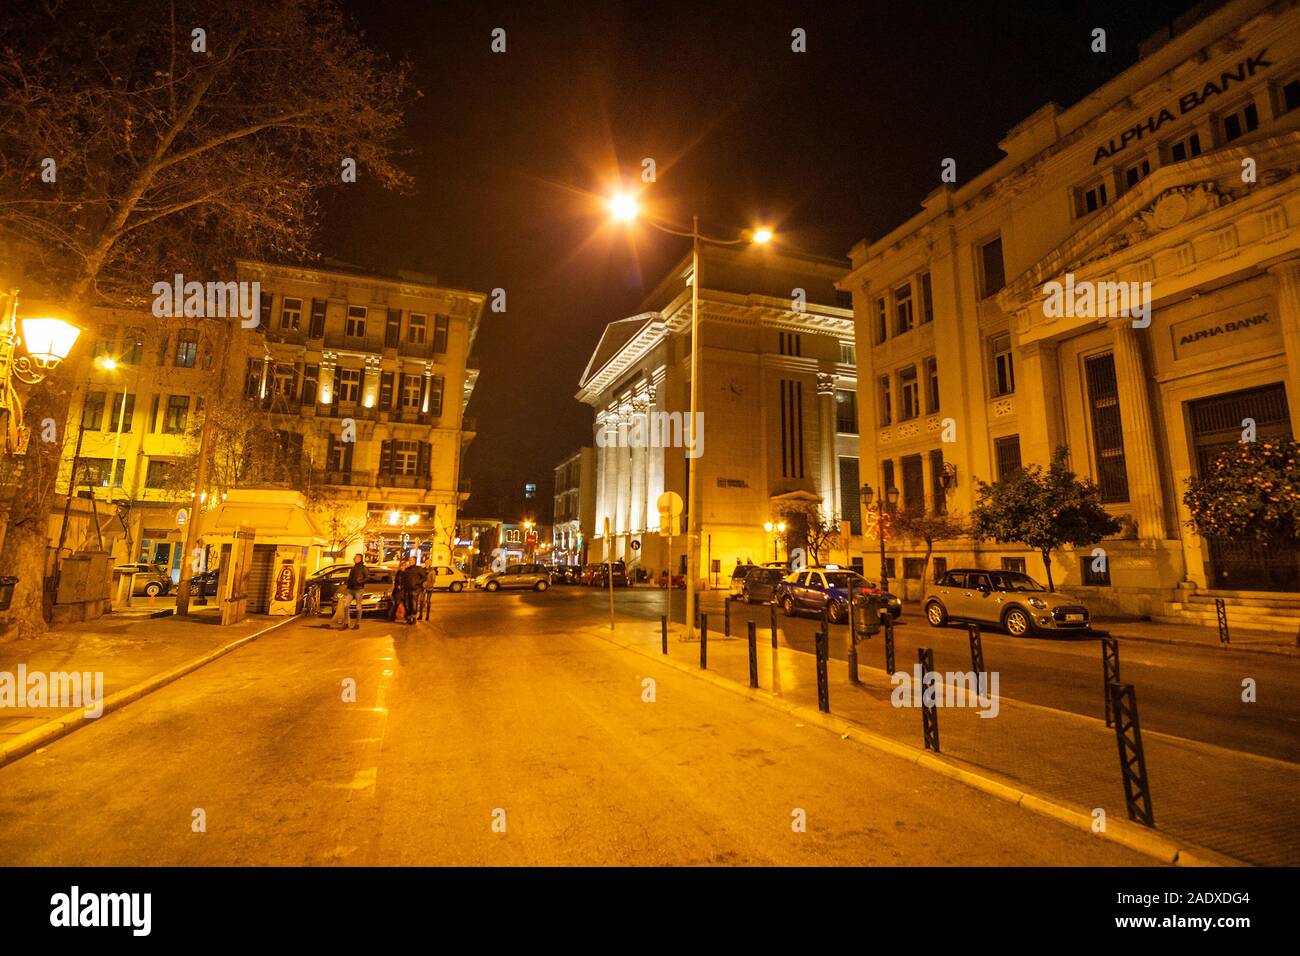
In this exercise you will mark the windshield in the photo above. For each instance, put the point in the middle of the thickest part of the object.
(1015, 581)
(844, 579)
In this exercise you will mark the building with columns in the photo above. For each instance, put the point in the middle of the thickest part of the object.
(1180, 175)
(574, 516)
(778, 427)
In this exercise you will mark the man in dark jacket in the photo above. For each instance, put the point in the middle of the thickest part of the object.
(356, 585)
(412, 584)
(399, 591)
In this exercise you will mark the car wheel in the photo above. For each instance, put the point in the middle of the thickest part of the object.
(935, 614)
(540, 586)
(456, 586)
(492, 586)
(787, 605)
(1017, 623)
(153, 590)
(838, 613)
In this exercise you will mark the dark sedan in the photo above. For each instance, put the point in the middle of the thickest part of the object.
(205, 583)
(816, 588)
(761, 584)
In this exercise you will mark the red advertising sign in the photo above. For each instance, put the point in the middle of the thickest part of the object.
(284, 583)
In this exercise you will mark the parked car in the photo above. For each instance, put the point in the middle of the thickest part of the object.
(600, 575)
(564, 573)
(738, 575)
(519, 576)
(327, 581)
(152, 580)
(760, 585)
(1010, 599)
(447, 579)
(677, 580)
(812, 589)
(205, 583)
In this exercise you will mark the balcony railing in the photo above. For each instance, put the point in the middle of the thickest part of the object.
(403, 481)
(355, 479)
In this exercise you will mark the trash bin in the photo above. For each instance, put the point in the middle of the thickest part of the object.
(867, 609)
(7, 583)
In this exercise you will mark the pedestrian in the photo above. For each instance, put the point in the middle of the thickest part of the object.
(412, 588)
(426, 592)
(358, 574)
(399, 590)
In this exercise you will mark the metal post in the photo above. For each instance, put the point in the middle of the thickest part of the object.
(1221, 612)
(704, 642)
(726, 617)
(772, 607)
(1132, 761)
(929, 714)
(976, 649)
(663, 632)
(1109, 673)
(753, 654)
(823, 642)
(889, 643)
(693, 523)
(853, 641)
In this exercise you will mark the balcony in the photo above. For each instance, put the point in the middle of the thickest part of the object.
(410, 416)
(370, 343)
(353, 479)
(404, 481)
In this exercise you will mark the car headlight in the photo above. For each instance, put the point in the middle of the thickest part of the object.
(1038, 603)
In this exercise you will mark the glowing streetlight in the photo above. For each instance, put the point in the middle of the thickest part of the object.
(762, 235)
(623, 207)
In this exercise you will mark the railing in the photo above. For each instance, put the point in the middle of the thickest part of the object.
(357, 479)
(403, 481)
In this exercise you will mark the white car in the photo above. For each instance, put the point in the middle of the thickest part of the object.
(444, 578)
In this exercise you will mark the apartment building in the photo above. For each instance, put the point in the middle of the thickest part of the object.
(575, 507)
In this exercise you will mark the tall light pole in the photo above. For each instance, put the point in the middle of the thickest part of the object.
(779, 529)
(890, 495)
(625, 208)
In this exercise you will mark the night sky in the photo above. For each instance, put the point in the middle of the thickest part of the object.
(510, 153)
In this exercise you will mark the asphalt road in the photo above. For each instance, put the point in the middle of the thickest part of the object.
(497, 712)
(1188, 692)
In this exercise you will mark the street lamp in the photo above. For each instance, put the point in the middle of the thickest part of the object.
(779, 528)
(48, 334)
(624, 208)
(883, 506)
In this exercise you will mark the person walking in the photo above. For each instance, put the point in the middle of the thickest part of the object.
(399, 590)
(413, 587)
(426, 593)
(356, 585)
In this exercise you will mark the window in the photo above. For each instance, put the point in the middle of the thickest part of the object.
(1136, 173)
(1013, 564)
(991, 260)
(441, 329)
(356, 325)
(116, 410)
(317, 329)
(435, 395)
(178, 412)
(105, 342)
(937, 492)
(848, 354)
(1185, 148)
(92, 410)
(310, 374)
(412, 387)
(416, 328)
(940, 569)
(887, 471)
(157, 473)
(253, 379)
(846, 412)
(913, 568)
(284, 384)
(386, 390)
(909, 394)
(264, 308)
(1002, 365)
(850, 502)
(339, 456)
(1291, 96)
(133, 346)
(1107, 430)
(790, 344)
(349, 384)
(886, 403)
(890, 571)
(393, 329)
(1094, 578)
(913, 483)
(1006, 453)
(931, 384)
(927, 298)
(94, 471)
(1241, 122)
(882, 320)
(406, 457)
(1091, 198)
(843, 299)
(290, 314)
(904, 319)
(187, 347)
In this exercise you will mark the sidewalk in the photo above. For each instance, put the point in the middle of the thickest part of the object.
(127, 648)
(1239, 805)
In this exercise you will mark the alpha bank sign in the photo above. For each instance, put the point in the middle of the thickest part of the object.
(1187, 103)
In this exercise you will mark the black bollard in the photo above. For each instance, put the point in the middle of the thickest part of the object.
(853, 643)
(1132, 761)
(663, 632)
(726, 618)
(889, 643)
(976, 650)
(823, 641)
(753, 654)
(772, 606)
(1109, 673)
(1221, 614)
(929, 715)
(704, 642)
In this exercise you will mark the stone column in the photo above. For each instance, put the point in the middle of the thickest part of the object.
(640, 427)
(622, 473)
(654, 459)
(600, 472)
(1145, 494)
(827, 462)
(1287, 276)
(1038, 401)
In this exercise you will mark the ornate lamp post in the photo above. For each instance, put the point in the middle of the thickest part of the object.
(883, 507)
(779, 528)
(48, 335)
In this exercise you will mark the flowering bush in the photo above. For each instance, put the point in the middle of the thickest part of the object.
(1250, 492)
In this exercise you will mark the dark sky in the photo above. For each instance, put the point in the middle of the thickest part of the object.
(842, 142)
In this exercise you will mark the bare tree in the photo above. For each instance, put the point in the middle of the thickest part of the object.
(809, 527)
(142, 140)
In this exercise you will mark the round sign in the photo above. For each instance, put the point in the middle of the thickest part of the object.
(670, 504)
(636, 545)
(181, 517)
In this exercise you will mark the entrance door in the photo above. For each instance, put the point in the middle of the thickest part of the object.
(1217, 426)
(259, 578)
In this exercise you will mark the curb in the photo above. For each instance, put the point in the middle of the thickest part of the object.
(1133, 836)
(1278, 650)
(52, 730)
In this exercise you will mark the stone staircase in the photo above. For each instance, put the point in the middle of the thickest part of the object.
(1278, 612)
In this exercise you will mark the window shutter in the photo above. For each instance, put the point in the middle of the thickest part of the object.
(153, 415)
(386, 390)
(386, 456)
(425, 454)
(424, 391)
(162, 349)
(348, 448)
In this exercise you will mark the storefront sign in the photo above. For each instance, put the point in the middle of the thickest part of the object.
(1189, 101)
(1220, 330)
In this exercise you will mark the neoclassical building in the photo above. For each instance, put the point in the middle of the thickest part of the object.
(778, 427)
(1180, 175)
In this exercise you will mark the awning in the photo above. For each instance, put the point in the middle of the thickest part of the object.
(276, 516)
